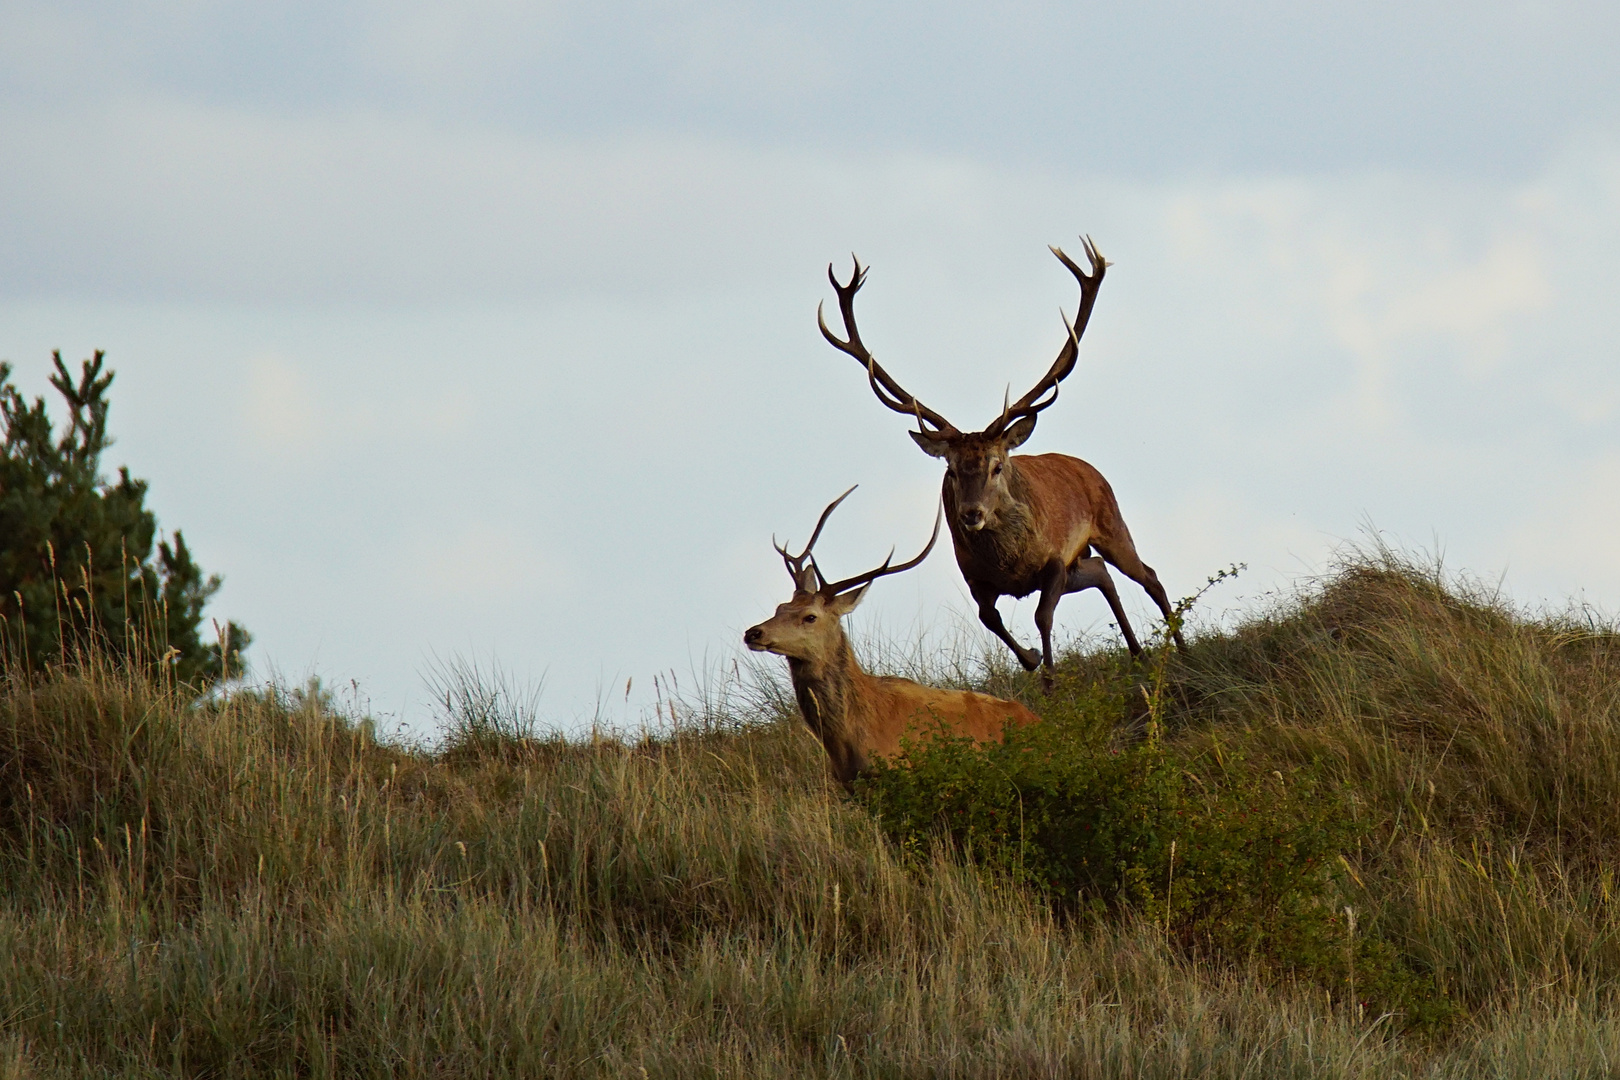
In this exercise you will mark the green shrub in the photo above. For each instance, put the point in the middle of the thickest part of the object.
(1230, 863)
(84, 569)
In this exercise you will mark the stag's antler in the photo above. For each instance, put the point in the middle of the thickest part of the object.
(805, 577)
(1031, 403)
(830, 591)
(888, 391)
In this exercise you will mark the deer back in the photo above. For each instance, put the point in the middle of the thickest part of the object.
(902, 709)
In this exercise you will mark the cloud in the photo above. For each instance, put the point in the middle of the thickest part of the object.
(464, 562)
(149, 200)
(478, 42)
(1382, 276)
(1484, 88)
(284, 410)
(1569, 533)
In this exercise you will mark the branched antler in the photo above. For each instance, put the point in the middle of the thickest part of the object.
(805, 577)
(1045, 392)
(889, 392)
(830, 591)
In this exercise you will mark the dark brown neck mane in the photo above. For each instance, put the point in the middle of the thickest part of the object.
(1014, 532)
(827, 692)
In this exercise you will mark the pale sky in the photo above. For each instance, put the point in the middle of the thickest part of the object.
(490, 331)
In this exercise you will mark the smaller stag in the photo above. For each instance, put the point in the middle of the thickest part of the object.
(856, 715)
(1025, 523)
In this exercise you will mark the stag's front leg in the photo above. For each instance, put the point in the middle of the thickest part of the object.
(986, 597)
(1052, 589)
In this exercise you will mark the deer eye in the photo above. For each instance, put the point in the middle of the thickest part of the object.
(809, 618)
(951, 473)
(997, 470)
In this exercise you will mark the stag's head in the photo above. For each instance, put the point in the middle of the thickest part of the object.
(976, 470)
(807, 627)
(976, 474)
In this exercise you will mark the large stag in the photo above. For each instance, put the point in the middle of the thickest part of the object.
(856, 715)
(1024, 523)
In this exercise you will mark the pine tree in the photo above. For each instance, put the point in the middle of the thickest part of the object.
(77, 566)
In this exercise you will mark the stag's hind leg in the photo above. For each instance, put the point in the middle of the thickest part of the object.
(1128, 562)
(1092, 573)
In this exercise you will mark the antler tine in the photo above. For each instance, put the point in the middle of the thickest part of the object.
(1059, 372)
(795, 563)
(825, 514)
(795, 566)
(786, 558)
(1044, 393)
(885, 570)
(889, 392)
(1098, 263)
(857, 277)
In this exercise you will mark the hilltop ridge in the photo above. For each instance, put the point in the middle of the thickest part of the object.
(256, 885)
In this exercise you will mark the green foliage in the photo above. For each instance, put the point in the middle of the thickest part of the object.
(78, 569)
(1228, 861)
(482, 712)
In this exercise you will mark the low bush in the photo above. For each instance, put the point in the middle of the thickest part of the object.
(1230, 862)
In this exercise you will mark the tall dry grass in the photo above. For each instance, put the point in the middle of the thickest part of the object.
(255, 886)
(1481, 747)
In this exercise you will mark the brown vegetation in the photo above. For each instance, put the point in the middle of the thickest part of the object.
(257, 886)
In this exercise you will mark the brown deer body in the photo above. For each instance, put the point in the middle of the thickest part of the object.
(855, 715)
(1020, 523)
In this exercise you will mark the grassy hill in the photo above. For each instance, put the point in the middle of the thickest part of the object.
(259, 887)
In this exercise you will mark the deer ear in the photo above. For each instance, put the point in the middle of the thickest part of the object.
(844, 603)
(932, 445)
(1019, 433)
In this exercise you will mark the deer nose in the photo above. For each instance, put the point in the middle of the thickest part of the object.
(972, 518)
(753, 635)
